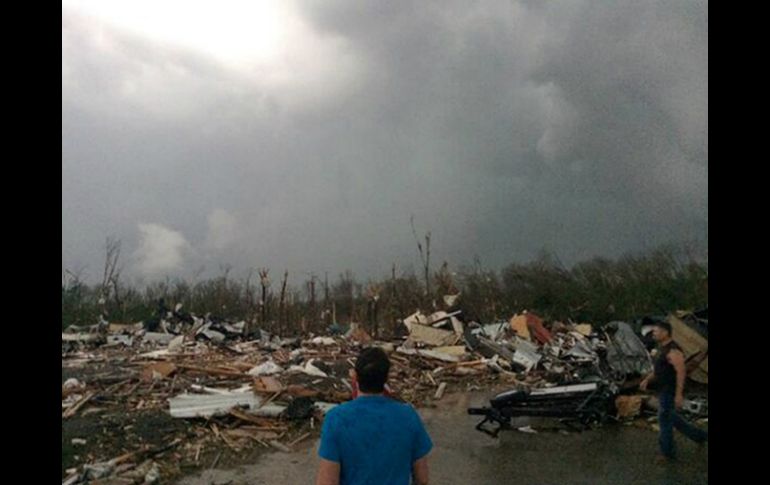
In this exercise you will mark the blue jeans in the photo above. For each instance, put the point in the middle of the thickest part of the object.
(668, 419)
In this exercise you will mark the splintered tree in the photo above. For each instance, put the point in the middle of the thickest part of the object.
(311, 300)
(327, 313)
(223, 289)
(596, 291)
(393, 306)
(111, 275)
(75, 307)
(424, 257)
(248, 291)
(373, 297)
(282, 304)
(343, 297)
(264, 281)
(445, 284)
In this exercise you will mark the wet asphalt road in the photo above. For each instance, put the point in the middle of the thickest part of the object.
(614, 454)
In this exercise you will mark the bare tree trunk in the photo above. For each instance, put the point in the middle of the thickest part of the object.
(424, 257)
(312, 309)
(222, 293)
(282, 303)
(264, 281)
(352, 302)
(327, 315)
(394, 296)
(375, 317)
(427, 266)
(373, 296)
(249, 304)
(111, 274)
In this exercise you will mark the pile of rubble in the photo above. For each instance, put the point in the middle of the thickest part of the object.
(267, 393)
(143, 401)
(162, 329)
(233, 396)
(582, 374)
(532, 354)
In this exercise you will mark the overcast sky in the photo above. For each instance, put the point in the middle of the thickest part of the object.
(304, 134)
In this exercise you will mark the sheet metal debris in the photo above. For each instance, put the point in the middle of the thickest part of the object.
(625, 352)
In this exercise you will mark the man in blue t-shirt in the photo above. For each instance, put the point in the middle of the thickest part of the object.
(373, 439)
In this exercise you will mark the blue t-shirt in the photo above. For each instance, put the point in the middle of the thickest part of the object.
(375, 439)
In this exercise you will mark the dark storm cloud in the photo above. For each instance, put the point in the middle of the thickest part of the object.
(504, 127)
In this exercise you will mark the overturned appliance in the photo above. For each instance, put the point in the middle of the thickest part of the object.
(577, 404)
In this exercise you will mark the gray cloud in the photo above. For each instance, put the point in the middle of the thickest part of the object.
(504, 127)
(161, 250)
(223, 230)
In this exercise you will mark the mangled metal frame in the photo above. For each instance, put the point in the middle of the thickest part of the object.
(578, 405)
(626, 353)
(581, 403)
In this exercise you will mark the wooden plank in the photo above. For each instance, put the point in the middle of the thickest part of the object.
(69, 412)
(260, 422)
(212, 370)
(280, 446)
(235, 412)
(229, 443)
(430, 378)
(216, 460)
(158, 370)
(440, 391)
(298, 440)
(430, 335)
(269, 400)
(267, 384)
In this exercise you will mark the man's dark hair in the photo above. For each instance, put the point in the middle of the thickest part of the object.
(372, 367)
(664, 325)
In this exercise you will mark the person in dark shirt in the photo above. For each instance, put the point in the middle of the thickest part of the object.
(669, 375)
